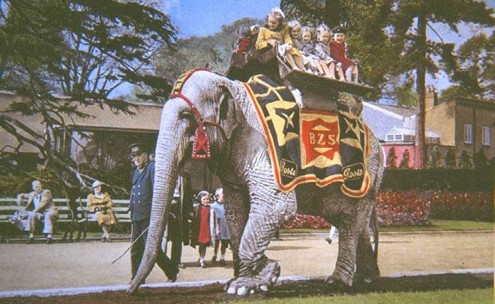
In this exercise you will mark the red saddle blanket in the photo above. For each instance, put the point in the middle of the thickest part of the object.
(308, 146)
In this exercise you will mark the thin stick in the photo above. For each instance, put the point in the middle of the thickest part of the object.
(129, 248)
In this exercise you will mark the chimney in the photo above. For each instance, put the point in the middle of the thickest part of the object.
(431, 97)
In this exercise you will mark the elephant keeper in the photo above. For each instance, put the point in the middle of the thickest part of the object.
(140, 208)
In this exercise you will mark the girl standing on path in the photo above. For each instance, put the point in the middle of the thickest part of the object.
(203, 226)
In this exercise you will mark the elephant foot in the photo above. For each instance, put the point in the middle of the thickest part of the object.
(366, 274)
(244, 286)
(270, 273)
(338, 281)
(247, 285)
(366, 279)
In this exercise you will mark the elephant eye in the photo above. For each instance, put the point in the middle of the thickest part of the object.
(186, 115)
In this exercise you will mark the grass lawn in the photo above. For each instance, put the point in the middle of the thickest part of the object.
(470, 296)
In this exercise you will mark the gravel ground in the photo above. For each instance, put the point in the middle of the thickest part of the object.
(68, 265)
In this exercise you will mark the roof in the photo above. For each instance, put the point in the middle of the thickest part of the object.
(399, 110)
(410, 131)
(382, 118)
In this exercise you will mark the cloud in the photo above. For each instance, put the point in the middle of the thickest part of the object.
(166, 6)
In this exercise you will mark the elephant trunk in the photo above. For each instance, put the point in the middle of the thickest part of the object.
(166, 173)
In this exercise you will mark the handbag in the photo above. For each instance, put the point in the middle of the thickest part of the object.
(19, 219)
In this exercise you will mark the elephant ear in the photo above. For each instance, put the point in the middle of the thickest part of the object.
(227, 111)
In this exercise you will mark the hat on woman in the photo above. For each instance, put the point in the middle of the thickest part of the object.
(96, 183)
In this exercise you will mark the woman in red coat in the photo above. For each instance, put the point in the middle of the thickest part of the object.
(203, 226)
(338, 51)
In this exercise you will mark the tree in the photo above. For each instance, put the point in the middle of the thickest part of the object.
(214, 51)
(404, 163)
(474, 70)
(391, 159)
(81, 49)
(418, 52)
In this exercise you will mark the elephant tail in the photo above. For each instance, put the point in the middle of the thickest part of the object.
(374, 227)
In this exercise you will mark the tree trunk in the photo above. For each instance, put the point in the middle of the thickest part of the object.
(420, 90)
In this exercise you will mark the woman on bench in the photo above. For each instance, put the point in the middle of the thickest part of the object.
(100, 206)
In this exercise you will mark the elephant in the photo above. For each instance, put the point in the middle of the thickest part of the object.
(255, 207)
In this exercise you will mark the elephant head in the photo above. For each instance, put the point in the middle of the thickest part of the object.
(200, 99)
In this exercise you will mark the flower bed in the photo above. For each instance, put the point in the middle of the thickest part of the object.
(404, 208)
(306, 221)
(476, 206)
(414, 208)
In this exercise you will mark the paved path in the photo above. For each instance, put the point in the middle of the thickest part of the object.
(65, 265)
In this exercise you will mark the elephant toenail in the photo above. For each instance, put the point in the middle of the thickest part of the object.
(242, 291)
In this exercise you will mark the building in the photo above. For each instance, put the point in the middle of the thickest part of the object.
(465, 126)
(395, 128)
(458, 128)
(99, 140)
(88, 139)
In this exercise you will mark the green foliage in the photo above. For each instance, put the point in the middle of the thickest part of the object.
(403, 93)
(474, 72)
(440, 179)
(455, 92)
(213, 51)
(81, 49)
(17, 182)
(384, 36)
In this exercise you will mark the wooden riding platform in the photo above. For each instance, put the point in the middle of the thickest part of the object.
(317, 92)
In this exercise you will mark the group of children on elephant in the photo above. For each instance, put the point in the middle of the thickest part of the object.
(327, 56)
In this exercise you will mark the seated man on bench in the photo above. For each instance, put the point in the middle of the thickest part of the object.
(41, 200)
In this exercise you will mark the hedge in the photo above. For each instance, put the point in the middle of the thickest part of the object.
(457, 180)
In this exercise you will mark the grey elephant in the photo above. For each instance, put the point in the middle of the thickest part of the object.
(255, 206)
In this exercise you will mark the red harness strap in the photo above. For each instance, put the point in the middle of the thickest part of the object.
(201, 144)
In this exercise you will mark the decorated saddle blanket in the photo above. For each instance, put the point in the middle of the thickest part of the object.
(308, 146)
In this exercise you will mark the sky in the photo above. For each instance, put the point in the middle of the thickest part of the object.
(205, 17)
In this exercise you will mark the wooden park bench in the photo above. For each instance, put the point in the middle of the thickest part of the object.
(65, 222)
(120, 207)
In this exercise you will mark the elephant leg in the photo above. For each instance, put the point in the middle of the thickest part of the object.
(237, 212)
(256, 271)
(366, 264)
(351, 226)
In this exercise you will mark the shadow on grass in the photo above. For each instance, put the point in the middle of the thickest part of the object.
(308, 288)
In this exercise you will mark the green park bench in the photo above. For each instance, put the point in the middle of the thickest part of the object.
(120, 207)
(8, 207)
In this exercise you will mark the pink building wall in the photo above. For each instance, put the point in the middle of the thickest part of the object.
(399, 153)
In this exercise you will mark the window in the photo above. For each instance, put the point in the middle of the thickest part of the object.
(468, 134)
(485, 136)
